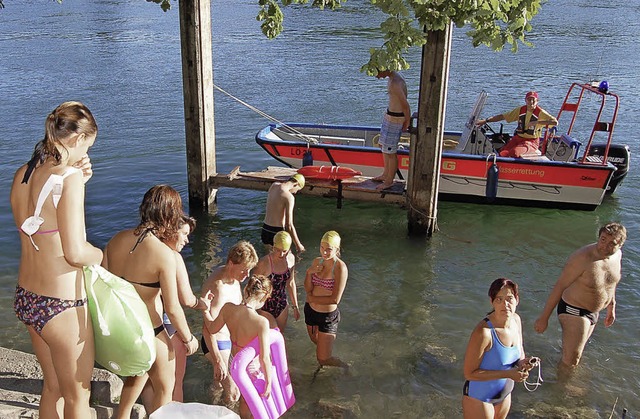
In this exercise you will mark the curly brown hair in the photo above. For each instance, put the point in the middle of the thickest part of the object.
(161, 212)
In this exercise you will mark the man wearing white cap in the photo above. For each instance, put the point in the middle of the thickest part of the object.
(279, 212)
(531, 119)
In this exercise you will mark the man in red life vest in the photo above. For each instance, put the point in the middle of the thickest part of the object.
(531, 119)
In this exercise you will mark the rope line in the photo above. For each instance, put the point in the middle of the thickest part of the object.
(433, 219)
(295, 132)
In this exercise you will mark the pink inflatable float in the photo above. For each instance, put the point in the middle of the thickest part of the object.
(251, 385)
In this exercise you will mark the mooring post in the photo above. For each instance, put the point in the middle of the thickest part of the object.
(197, 81)
(426, 150)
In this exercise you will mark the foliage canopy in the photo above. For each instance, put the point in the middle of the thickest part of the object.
(494, 23)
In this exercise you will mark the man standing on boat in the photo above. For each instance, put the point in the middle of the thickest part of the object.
(279, 213)
(531, 119)
(395, 121)
(586, 286)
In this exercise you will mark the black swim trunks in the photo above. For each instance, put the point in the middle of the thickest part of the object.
(326, 322)
(269, 232)
(564, 308)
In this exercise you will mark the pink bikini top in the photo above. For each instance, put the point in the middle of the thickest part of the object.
(52, 186)
(326, 283)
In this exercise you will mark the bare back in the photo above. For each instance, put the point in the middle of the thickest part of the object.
(224, 290)
(47, 271)
(152, 262)
(279, 199)
(596, 278)
(244, 324)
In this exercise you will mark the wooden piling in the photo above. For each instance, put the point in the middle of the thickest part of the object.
(426, 152)
(197, 77)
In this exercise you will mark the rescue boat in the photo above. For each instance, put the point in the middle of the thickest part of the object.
(576, 169)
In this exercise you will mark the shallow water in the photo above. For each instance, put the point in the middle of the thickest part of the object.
(410, 304)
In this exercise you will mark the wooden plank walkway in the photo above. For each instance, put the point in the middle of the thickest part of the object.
(359, 188)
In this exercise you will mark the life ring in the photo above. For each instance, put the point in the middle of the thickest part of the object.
(328, 172)
(252, 385)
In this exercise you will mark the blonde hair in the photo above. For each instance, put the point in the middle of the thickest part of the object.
(282, 240)
(332, 238)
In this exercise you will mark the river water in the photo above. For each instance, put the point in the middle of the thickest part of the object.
(410, 304)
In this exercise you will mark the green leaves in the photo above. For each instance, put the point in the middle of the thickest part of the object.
(271, 15)
(493, 23)
(165, 5)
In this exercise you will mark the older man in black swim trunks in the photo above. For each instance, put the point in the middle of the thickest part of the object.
(586, 286)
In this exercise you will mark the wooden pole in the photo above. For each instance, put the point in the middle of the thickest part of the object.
(426, 150)
(197, 81)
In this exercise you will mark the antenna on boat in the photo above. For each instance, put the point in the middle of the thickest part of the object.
(594, 79)
(294, 131)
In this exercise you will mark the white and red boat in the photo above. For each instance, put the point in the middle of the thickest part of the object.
(574, 170)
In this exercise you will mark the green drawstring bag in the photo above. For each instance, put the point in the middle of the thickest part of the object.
(124, 338)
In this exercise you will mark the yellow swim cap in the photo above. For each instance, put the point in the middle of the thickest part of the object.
(282, 240)
(332, 238)
(299, 179)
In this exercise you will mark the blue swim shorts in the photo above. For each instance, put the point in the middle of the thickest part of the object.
(390, 133)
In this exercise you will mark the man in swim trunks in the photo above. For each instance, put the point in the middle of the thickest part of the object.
(279, 212)
(586, 285)
(395, 121)
(224, 284)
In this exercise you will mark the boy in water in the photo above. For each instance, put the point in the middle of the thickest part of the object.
(224, 284)
(279, 212)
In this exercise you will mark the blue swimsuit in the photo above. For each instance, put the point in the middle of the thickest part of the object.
(499, 357)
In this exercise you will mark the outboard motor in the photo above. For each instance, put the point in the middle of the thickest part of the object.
(619, 156)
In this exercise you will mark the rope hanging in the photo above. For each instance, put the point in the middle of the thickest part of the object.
(288, 128)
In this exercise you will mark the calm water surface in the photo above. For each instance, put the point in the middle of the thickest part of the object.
(409, 305)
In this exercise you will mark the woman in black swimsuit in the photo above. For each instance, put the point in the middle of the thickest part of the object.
(140, 256)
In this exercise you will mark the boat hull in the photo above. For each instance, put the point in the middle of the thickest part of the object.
(463, 177)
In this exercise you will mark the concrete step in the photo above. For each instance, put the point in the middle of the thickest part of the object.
(21, 386)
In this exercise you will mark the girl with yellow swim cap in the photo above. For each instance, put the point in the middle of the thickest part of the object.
(324, 284)
(278, 265)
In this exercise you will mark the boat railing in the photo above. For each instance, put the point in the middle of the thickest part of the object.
(571, 104)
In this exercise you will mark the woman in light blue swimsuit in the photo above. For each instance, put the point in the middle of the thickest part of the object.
(47, 200)
(495, 357)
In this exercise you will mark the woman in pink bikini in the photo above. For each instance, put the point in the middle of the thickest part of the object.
(324, 283)
(47, 200)
(278, 266)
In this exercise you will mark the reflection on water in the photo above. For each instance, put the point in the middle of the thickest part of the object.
(409, 305)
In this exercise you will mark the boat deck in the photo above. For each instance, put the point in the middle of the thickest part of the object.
(358, 188)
